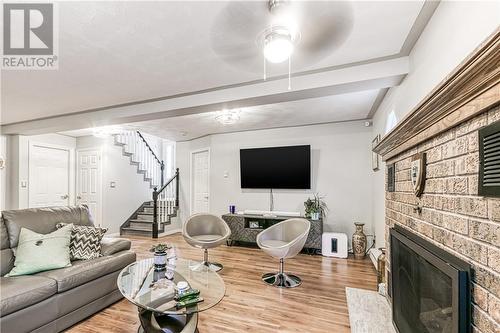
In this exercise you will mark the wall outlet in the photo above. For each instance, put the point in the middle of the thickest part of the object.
(112, 184)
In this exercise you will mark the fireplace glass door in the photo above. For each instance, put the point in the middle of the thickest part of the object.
(428, 294)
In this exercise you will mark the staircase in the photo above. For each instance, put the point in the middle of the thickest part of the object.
(141, 221)
(142, 156)
(151, 218)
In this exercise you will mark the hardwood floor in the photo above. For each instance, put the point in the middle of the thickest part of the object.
(317, 306)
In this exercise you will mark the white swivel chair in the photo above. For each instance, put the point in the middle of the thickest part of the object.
(205, 231)
(284, 240)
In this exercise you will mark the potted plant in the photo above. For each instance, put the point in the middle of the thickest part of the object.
(160, 255)
(315, 208)
(309, 207)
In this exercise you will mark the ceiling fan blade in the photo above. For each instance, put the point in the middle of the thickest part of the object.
(323, 27)
(234, 34)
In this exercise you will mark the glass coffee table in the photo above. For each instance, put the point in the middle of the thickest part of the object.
(153, 292)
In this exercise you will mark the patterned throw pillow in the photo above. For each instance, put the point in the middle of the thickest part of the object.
(85, 241)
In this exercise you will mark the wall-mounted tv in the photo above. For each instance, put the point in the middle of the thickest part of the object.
(276, 167)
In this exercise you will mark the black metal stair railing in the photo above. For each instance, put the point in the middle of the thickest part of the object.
(165, 202)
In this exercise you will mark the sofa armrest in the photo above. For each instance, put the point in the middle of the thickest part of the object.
(110, 246)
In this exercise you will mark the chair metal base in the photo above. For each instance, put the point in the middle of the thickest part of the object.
(281, 280)
(200, 266)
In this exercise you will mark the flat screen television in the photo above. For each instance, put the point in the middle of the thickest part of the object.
(276, 167)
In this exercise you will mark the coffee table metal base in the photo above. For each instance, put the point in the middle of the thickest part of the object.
(152, 322)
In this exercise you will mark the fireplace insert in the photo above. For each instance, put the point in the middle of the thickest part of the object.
(430, 286)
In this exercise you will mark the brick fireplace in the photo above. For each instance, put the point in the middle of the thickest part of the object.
(453, 215)
(450, 214)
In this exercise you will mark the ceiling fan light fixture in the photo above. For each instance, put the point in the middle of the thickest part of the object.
(278, 46)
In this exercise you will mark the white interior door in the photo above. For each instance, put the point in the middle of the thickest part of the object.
(48, 176)
(200, 166)
(88, 182)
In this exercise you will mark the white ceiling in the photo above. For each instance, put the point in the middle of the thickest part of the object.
(112, 53)
(326, 109)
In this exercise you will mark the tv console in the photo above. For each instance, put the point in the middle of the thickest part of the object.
(246, 227)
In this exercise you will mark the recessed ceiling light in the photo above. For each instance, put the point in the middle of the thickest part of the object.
(104, 132)
(228, 117)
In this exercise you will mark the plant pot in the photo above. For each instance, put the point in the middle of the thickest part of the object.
(359, 241)
(160, 261)
(315, 216)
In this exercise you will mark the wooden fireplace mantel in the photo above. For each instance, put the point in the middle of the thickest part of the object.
(473, 87)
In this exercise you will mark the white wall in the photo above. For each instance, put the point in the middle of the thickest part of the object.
(341, 170)
(131, 190)
(454, 31)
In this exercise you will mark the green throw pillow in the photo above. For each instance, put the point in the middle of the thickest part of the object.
(38, 252)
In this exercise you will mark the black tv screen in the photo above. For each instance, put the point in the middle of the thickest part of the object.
(276, 168)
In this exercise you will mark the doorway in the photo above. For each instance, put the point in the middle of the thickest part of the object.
(200, 181)
(89, 181)
(49, 172)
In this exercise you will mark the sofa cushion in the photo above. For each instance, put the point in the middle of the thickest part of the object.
(4, 235)
(111, 246)
(6, 261)
(83, 271)
(85, 241)
(43, 220)
(37, 252)
(22, 291)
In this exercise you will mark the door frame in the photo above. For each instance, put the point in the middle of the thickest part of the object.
(99, 179)
(71, 168)
(191, 178)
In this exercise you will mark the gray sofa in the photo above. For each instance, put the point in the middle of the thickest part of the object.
(52, 301)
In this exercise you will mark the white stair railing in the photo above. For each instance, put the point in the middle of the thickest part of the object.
(140, 152)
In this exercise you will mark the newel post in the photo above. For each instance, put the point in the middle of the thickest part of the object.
(155, 212)
(162, 167)
(177, 187)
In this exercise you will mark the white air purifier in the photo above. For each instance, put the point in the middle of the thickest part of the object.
(334, 245)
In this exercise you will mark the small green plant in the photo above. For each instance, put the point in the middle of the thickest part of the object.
(315, 205)
(160, 248)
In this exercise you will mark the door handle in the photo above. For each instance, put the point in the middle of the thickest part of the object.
(64, 196)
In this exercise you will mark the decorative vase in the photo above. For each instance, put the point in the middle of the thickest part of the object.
(359, 241)
(160, 261)
(381, 266)
(315, 216)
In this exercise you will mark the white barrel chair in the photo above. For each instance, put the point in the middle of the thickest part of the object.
(284, 240)
(205, 231)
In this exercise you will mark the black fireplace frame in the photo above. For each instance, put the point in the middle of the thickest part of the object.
(457, 269)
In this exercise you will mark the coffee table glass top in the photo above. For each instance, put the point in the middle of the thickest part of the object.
(155, 291)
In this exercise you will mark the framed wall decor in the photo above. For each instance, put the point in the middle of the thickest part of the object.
(375, 156)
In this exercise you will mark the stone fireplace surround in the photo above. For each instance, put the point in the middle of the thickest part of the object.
(454, 217)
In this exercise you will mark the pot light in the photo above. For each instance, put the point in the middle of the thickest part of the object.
(104, 132)
(278, 46)
(228, 117)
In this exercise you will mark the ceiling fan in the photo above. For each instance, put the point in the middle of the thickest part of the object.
(249, 34)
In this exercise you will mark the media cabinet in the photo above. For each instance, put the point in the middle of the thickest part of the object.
(243, 233)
